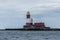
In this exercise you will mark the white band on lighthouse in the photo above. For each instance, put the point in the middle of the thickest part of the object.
(28, 21)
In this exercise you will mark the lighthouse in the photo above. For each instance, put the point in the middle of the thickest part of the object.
(29, 23)
(28, 19)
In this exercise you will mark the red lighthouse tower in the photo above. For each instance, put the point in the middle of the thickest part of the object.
(29, 23)
(29, 20)
(28, 15)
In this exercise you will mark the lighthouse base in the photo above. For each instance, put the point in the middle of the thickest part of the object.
(35, 27)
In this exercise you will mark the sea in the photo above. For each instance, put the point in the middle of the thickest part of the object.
(29, 35)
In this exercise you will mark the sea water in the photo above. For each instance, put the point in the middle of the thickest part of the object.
(29, 35)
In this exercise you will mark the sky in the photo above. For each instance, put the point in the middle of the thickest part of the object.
(13, 12)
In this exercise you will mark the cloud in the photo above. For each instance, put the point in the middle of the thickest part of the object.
(12, 12)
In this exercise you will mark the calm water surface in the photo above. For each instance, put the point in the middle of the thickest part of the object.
(29, 35)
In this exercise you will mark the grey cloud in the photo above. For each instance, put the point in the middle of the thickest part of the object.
(12, 12)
